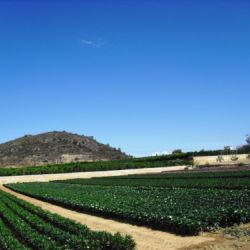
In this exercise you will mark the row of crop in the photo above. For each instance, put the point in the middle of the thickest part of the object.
(24, 231)
(226, 183)
(104, 240)
(229, 180)
(182, 175)
(95, 166)
(38, 229)
(183, 211)
(8, 240)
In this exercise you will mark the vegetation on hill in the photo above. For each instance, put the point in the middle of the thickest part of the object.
(55, 147)
(164, 161)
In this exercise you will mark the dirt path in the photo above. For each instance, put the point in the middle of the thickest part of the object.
(145, 238)
(65, 176)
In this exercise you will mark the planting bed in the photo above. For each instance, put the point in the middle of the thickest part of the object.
(226, 180)
(24, 226)
(185, 211)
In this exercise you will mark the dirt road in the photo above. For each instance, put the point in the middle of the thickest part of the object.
(146, 239)
(65, 176)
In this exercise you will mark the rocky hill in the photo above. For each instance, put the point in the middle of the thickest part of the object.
(55, 147)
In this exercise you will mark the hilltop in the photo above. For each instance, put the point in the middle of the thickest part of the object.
(55, 147)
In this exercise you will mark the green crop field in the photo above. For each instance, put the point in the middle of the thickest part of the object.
(185, 211)
(24, 226)
(226, 180)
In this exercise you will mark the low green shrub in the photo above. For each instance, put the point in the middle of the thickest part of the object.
(185, 211)
(37, 229)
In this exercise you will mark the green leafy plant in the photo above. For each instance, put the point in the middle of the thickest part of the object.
(225, 180)
(24, 226)
(185, 211)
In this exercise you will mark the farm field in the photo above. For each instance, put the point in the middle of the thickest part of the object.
(226, 180)
(24, 226)
(125, 125)
(144, 237)
(185, 211)
(134, 163)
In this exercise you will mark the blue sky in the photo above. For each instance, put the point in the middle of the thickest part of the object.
(145, 76)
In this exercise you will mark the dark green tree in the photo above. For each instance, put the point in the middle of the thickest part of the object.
(177, 151)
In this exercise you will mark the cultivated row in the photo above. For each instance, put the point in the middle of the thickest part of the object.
(24, 226)
(185, 211)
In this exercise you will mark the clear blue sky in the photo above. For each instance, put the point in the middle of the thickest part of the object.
(145, 76)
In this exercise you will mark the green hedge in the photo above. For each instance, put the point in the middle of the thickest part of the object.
(98, 166)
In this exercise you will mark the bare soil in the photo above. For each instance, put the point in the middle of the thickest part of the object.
(223, 242)
(66, 176)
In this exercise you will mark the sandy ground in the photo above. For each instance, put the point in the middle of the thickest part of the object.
(224, 241)
(145, 238)
(65, 176)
